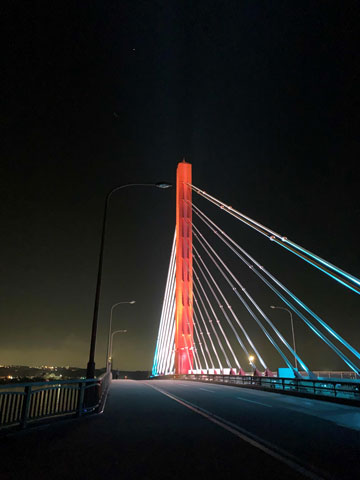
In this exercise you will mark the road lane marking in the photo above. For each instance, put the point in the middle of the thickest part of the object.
(206, 390)
(253, 401)
(304, 406)
(267, 447)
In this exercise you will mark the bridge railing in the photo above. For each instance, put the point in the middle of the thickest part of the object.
(348, 390)
(24, 403)
(347, 375)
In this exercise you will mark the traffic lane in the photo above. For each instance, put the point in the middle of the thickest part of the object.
(178, 441)
(142, 434)
(294, 432)
(315, 441)
(343, 415)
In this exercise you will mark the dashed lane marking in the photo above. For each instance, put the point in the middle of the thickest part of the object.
(253, 401)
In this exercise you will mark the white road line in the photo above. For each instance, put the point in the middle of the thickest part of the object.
(206, 390)
(253, 401)
(267, 447)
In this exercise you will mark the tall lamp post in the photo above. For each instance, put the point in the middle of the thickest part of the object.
(90, 372)
(292, 329)
(111, 342)
(108, 354)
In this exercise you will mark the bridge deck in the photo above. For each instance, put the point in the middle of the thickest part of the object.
(144, 434)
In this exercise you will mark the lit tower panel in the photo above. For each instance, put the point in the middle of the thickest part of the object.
(184, 280)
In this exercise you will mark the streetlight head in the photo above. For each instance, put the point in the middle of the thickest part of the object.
(272, 306)
(163, 185)
(132, 302)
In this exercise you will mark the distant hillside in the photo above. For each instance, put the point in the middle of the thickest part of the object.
(137, 375)
(23, 373)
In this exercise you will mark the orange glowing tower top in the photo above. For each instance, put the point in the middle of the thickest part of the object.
(184, 281)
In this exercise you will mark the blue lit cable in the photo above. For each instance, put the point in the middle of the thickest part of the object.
(217, 320)
(230, 309)
(308, 260)
(209, 317)
(282, 240)
(199, 342)
(220, 233)
(267, 334)
(324, 262)
(206, 329)
(201, 333)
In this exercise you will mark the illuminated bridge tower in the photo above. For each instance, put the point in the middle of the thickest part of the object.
(184, 280)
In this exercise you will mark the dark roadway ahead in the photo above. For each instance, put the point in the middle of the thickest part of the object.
(183, 430)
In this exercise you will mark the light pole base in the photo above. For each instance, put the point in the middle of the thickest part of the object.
(90, 371)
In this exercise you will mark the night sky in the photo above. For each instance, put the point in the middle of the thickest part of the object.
(261, 97)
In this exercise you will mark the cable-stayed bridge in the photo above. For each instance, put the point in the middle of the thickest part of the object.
(209, 316)
(213, 327)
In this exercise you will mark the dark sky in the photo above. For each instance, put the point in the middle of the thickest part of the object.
(261, 97)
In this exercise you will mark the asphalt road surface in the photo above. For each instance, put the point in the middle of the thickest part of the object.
(165, 429)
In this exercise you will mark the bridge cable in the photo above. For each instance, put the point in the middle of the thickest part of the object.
(169, 364)
(226, 302)
(168, 332)
(164, 319)
(203, 342)
(163, 325)
(255, 305)
(326, 267)
(211, 321)
(200, 344)
(169, 319)
(196, 355)
(163, 346)
(221, 234)
(219, 323)
(221, 307)
(209, 335)
(191, 363)
(206, 329)
(196, 358)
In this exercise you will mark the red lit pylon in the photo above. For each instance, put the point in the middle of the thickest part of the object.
(184, 281)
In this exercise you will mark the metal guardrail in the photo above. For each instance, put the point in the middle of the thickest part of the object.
(349, 390)
(23, 403)
(335, 374)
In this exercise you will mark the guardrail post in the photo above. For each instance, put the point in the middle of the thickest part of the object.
(26, 407)
(81, 399)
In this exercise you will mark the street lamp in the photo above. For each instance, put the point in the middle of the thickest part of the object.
(108, 356)
(292, 329)
(111, 342)
(90, 372)
(251, 361)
